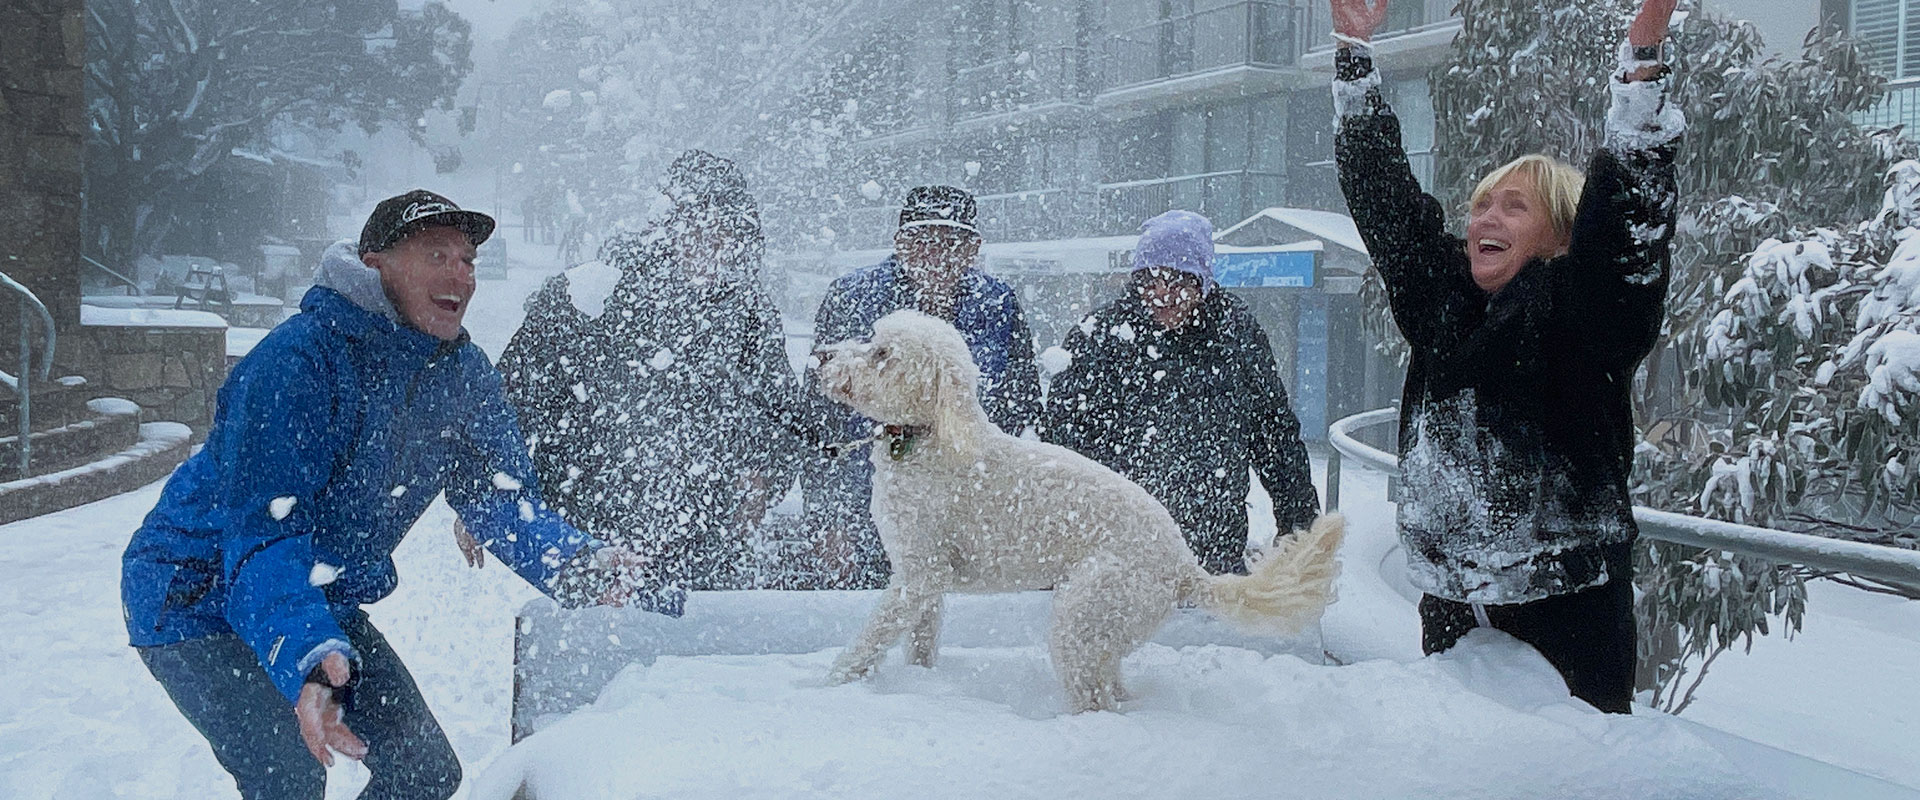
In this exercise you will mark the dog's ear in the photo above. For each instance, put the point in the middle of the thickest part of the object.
(953, 415)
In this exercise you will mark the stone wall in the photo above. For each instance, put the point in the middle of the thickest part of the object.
(42, 51)
(173, 373)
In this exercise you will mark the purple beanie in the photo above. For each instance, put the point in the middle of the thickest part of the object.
(1179, 240)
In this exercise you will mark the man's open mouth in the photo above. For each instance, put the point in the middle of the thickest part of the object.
(447, 302)
(1493, 246)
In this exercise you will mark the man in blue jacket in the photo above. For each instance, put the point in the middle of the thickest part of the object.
(242, 589)
(933, 270)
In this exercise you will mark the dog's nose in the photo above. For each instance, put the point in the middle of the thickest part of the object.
(822, 355)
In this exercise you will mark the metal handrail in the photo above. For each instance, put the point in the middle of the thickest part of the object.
(133, 287)
(22, 384)
(1870, 561)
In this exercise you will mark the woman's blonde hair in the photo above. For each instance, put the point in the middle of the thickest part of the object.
(1555, 182)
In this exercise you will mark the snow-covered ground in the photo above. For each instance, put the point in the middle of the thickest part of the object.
(87, 721)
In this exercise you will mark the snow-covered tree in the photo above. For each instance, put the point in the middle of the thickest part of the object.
(173, 87)
(1737, 407)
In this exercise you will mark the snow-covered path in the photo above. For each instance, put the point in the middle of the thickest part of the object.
(87, 721)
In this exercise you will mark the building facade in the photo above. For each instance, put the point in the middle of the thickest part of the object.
(1074, 121)
(1890, 30)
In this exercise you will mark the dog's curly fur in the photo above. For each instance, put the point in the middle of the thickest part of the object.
(971, 509)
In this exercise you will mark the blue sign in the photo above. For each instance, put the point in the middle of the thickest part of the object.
(1292, 269)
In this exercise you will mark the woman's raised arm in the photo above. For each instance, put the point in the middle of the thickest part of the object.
(1424, 267)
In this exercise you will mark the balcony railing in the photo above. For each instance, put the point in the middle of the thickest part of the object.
(1224, 197)
(1031, 79)
(1242, 34)
(1036, 215)
(1900, 106)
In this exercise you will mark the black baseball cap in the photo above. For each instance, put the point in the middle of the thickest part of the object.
(944, 206)
(398, 217)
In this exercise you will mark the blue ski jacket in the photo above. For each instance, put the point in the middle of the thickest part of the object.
(330, 440)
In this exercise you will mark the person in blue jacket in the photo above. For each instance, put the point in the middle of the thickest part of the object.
(243, 588)
(934, 269)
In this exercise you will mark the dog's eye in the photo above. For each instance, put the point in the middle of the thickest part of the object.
(880, 353)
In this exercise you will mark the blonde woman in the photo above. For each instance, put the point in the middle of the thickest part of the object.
(1516, 431)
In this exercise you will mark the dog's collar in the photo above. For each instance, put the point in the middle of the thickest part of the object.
(901, 441)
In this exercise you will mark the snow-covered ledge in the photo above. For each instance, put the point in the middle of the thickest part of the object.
(169, 361)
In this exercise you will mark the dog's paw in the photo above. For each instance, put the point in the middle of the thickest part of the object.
(843, 674)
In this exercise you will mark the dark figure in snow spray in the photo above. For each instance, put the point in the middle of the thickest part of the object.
(933, 270)
(243, 588)
(643, 379)
(1516, 426)
(1174, 386)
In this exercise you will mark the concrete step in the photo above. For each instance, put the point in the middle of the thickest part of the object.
(161, 448)
(110, 426)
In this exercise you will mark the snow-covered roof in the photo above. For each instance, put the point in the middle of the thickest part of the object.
(149, 318)
(1092, 254)
(1308, 246)
(1334, 228)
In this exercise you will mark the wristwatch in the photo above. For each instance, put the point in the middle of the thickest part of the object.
(1654, 52)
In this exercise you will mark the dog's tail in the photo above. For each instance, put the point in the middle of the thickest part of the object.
(1288, 588)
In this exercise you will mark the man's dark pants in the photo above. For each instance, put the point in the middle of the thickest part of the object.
(1587, 635)
(219, 685)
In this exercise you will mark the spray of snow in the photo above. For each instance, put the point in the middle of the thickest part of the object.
(589, 285)
(323, 574)
(280, 507)
(1055, 360)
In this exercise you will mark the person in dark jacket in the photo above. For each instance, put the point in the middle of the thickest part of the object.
(643, 381)
(243, 588)
(934, 269)
(1174, 386)
(1516, 427)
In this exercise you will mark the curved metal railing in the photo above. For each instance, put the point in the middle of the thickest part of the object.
(1870, 561)
(30, 306)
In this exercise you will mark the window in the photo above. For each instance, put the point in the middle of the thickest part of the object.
(1227, 137)
(1189, 142)
(1891, 34)
(1412, 101)
(1267, 134)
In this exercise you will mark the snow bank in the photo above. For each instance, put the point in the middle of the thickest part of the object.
(1489, 720)
(565, 658)
(116, 406)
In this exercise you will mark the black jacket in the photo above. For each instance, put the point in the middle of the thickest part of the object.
(648, 421)
(1516, 425)
(1184, 413)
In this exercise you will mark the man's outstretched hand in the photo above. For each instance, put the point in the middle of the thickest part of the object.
(470, 548)
(322, 723)
(616, 576)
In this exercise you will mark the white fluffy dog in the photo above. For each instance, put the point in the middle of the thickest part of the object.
(964, 507)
